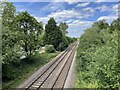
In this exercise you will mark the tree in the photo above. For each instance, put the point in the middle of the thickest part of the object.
(8, 13)
(53, 35)
(38, 33)
(102, 24)
(29, 30)
(10, 48)
(9, 35)
(115, 26)
(63, 28)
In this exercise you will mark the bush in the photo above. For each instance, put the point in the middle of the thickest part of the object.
(50, 48)
(97, 59)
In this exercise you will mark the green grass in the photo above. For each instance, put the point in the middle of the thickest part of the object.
(27, 68)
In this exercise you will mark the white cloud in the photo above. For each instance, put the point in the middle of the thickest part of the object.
(103, 8)
(77, 27)
(100, 0)
(106, 0)
(88, 12)
(53, 6)
(115, 7)
(112, 8)
(80, 23)
(69, 1)
(60, 16)
(65, 14)
(68, 15)
(106, 18)
(75, 1)
(88, 9)
(43, 19)
(82, 4)
(69, 21)
(109, 19)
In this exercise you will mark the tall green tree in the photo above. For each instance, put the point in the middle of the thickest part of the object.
(9, 35)
(10, 48)
(8, 13)
(54, 36)
(30, 31)
(52, 32)
(102, 24)
(63, 28)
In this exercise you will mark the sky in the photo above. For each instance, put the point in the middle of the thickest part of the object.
(78, 15)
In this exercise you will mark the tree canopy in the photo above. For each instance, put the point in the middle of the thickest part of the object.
(29, 30)
(63, 28)
(54, 36)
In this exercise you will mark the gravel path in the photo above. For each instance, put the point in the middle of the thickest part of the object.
(70, 81)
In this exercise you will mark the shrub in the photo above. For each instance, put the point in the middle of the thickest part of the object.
(49, 48)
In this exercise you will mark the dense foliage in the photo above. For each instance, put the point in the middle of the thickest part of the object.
(29, 30)
(98, 62)
(20, 39)
(63, 28)
(54, 36)
(49, 48)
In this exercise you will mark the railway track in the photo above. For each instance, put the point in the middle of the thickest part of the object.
(54, 76)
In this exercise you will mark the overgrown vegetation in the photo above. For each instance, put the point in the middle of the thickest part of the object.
(98, 59)
(15, 73)
(50, 48)
(22, 38)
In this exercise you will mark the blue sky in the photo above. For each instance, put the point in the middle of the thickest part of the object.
(78, 15)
